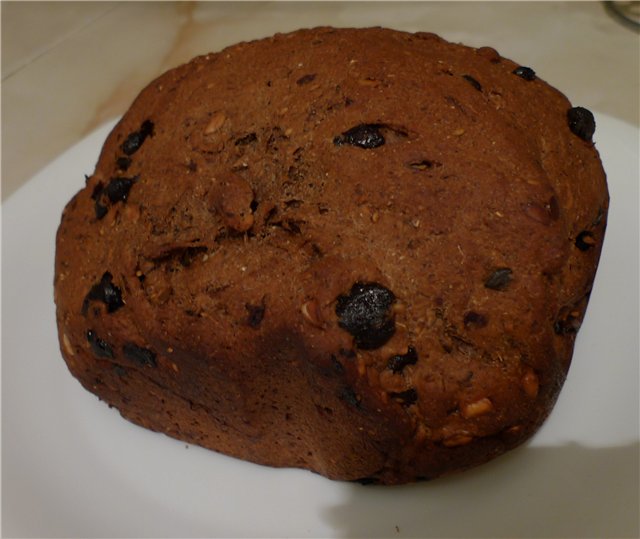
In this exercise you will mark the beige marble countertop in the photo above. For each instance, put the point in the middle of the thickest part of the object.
(68, 67)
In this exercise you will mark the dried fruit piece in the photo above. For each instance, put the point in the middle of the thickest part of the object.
(101, 210)
(100, 348)
(349, 396)
(135, 140)
(247, 139)
(365, 136)
(256, 314)
(406, 398)
(119, 370)
(568, 321)
(525, 72)
(106, 292)
(366, 314)
(337, 366)
(585, 240)
(473, 82)
(97, 191)
(123, 163)
(306, 79)
(473, 320)
(399, 362)
(581, 122)
(117, 190)
(144, 357)
(349, 354)
(499, 279)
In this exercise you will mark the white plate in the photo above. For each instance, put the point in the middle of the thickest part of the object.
(71, 467)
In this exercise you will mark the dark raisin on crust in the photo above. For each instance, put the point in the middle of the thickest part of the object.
(111, 295)
(144, 357)
(367, 136)
(406, 398)
(101, 210)
(525, 72)
(581, 122)
(119, 370)
(246, 139)
(473, 319)
(106, 292)
(399, 362)
(337, 366)
(366, 314)
(306, 79)
(255, 314)
(568, 322)
(97, 191)
(117, 190)
(96, 194)
(349, 396)
(99, 347)
(135, 140)
(123, 163)
(499, 279)
(585, 240)
(473, 82)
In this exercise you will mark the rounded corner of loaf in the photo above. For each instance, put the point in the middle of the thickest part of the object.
(358, 251)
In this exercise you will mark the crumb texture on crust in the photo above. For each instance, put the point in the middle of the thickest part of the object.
(360, 251)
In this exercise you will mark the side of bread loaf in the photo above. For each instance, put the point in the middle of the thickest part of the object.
(359, 251)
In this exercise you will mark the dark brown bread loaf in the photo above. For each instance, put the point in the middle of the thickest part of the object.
(362, 252)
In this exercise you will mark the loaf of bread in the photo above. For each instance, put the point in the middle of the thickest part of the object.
(362, 252)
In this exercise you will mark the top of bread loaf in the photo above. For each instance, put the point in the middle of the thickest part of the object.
(347, 229)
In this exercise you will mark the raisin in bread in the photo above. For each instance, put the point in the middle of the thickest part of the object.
(362, 252)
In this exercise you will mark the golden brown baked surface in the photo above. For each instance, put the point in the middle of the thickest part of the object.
(362, 252)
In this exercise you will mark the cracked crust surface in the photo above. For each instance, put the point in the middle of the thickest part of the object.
(253, 199)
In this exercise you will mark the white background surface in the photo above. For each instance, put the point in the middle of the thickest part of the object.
(71, 467)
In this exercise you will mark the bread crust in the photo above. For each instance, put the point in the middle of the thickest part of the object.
(362, 252)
